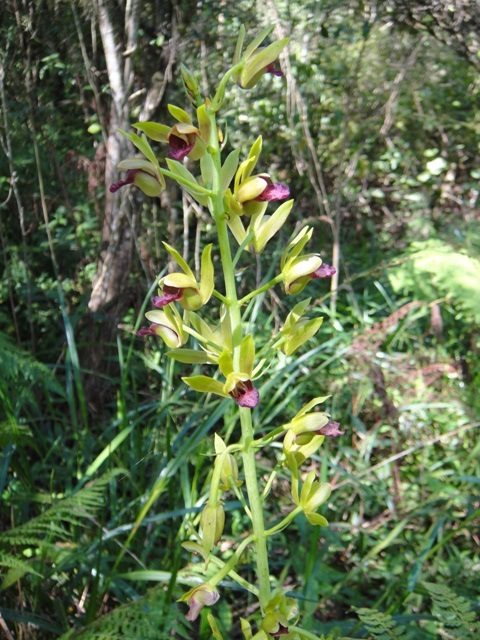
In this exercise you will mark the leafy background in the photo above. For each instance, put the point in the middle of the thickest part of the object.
(375, 127)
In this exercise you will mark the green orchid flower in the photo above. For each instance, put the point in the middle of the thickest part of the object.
(238, 384)
(183, 138)
(183, 287)
(140, 173)
(168, 325)
(297, 330)
(299, 269)
(257, 60)
(251, 193)
(202, 596)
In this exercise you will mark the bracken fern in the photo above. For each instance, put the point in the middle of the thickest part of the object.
(54, 524)
(453, 612)
(148, 618)
(381, 625)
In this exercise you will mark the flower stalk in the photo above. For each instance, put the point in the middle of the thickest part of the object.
(233, 193)
(235, 321)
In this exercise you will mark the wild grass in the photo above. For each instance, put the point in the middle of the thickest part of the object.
(404, 510)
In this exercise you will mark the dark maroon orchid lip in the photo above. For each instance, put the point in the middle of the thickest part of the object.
(129, 179)
(179, 148)
(147, 331)
(169, 294)
(245, 394)
(271, 68)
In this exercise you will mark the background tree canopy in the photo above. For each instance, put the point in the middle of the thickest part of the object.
(375, 127)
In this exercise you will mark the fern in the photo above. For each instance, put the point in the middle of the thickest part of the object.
(20, 372)
(435, 269)
(453, 612)
(12, 432)
(381, 625)
(148, 618)
(55, 524)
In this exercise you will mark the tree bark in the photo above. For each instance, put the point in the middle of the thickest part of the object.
(116, 255)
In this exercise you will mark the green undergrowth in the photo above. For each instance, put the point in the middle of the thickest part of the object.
(404, 509)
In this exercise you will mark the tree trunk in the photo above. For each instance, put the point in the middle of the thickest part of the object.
(116, 255)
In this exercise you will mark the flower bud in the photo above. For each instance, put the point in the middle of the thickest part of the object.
(212, 522)
(190, 83)
(228, 472)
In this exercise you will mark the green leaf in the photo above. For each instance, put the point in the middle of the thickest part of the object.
(204, 384)
(179, 114)
(190, 356)
(256, 42)
(147, 574)
(108, 450)
(229, 169)
(154, 130)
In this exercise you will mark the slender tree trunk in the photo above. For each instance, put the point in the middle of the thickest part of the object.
(115, 259)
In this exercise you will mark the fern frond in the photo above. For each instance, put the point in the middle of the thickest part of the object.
(436, 269)
(50, 525)
(148, 618)
(13, 432)
(16, 569)
(381, 625)
(20, 372)
(453, 612)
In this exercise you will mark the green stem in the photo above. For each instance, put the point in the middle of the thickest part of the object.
(185, 182)
(261, 289)
(256, 507)
(233, 310)
(220, 297)
(231, 563)
(285, 522)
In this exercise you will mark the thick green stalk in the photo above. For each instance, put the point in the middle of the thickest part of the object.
(233, 310)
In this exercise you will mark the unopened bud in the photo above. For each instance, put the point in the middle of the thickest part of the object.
(212, 522)
(190, 83)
